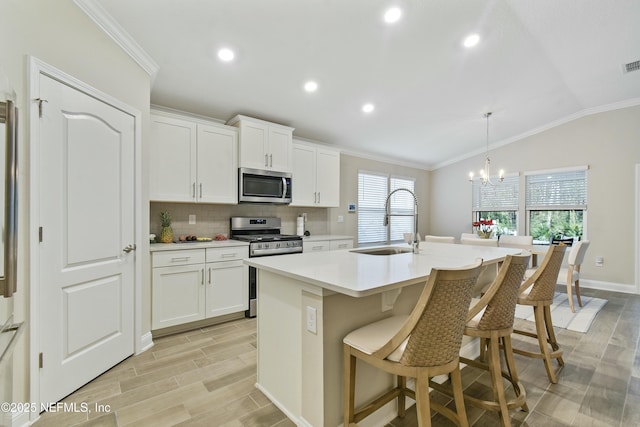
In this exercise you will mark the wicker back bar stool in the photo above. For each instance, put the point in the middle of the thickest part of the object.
(538, 291)
(421, 345)
(491, 320)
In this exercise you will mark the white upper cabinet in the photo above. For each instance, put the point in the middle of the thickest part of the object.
(263, 145)
(316, 175)
(192, 160)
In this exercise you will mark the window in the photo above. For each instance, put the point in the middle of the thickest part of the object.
(556, 204)
(373, 189)
(498, 202)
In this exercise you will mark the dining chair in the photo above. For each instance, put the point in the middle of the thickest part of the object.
(439, 239)
(468, 236)
(491, 320)
(479, 242)
(507, 239)
(571, 274)
(538, 291)
(565, 240)
(420, 345)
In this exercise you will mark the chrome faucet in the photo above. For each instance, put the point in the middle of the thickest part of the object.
(387, 214)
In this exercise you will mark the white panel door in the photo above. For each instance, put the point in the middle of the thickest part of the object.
(217, 165)
(86, 320)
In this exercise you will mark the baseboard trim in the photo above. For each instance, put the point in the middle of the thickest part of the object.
(608, 286)
(146, 342)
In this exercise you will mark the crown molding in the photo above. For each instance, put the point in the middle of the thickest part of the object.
(123, 39)
(633, 102)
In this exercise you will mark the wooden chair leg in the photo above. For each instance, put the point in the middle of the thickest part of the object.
(495, 369)
(569, 296)
(458, 397)
(423, 406)
(349, 378)
(542, 331)
(551, 333)
(402, 406)
(513, 372)
(577, 286)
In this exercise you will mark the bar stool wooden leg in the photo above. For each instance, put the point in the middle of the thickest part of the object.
(495, 369)
(569, 296)
(513, 372)
(542, 331)
(349, 379)
(423, 405)
(458, 397)
(577, 286)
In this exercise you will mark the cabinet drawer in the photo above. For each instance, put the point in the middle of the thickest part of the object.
(317, 246)
(227, 254)
(183, 257)
(341, 244)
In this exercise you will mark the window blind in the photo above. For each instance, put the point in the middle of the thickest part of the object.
(500, 197)
(401, 203)
(557, 190)
(372, 194)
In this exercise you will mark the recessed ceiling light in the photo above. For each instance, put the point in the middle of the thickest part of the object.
(392, 15)
(471, 40)
(310, 86)
(367, 108)
(226, 55)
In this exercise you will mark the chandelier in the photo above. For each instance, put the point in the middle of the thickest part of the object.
(485, 174)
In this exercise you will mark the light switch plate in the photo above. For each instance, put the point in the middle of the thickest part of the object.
(192, 219)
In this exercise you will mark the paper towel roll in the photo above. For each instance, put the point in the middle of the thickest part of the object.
(300, 226)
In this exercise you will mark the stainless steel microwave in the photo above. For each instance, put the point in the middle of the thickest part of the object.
(263, 186)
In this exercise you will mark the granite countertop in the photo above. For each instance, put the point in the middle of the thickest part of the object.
(155, 247)
(356, 274)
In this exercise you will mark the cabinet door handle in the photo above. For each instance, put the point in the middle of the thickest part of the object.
(266, 160)
(318, 197)
(317, 248)
(201, 190)
(202, 282)
(193, 190)
(342, 246)
(270, 160)
(230, 255)
(180, 258)
(315, 197)
(209, 275)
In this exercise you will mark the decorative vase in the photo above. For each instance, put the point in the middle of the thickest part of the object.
(485, 234)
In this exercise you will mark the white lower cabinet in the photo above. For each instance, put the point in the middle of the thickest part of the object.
(341, 244)
(326, 245)
(195, 284)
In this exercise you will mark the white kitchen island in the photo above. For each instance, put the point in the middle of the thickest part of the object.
(308, 302)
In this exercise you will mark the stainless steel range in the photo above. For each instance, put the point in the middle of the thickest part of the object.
(265, 239)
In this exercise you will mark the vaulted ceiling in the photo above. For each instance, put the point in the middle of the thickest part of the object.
(537, 63)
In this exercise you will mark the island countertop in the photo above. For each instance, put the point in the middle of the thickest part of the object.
(358, 275)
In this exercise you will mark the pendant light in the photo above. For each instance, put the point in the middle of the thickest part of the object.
(485, 174)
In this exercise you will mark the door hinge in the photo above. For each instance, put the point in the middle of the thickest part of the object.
(40, 360)
(40, 234)
(40, 101)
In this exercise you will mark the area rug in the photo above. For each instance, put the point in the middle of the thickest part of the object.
(561, 314)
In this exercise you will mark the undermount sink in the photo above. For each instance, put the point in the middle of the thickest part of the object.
(383, 251)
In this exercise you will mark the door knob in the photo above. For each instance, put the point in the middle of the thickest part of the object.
(130, 248)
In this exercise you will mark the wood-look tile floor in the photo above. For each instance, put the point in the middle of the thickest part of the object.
(206, 377)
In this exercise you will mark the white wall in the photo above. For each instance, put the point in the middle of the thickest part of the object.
(609, 143)
(349, 167)
(60, 34)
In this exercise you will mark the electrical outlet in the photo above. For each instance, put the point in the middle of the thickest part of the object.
(192, 219)
(599, 261)
(340, 218)
(312, 325)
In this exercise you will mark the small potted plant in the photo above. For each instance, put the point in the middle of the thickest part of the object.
(484, 228)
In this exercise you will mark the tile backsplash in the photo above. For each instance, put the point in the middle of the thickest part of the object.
(214, 219)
